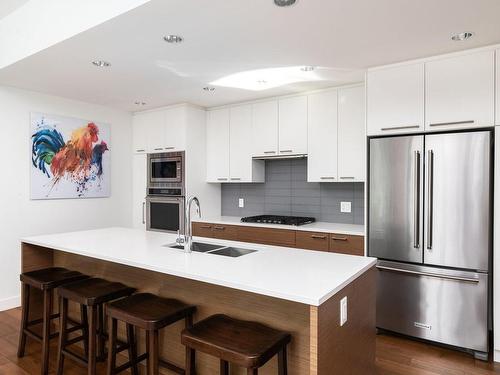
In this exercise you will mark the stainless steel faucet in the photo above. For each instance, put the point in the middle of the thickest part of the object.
(188, 234)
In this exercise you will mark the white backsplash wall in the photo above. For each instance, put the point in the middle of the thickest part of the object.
(287, 192)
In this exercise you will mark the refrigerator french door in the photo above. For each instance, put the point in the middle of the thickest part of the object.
(430, 226)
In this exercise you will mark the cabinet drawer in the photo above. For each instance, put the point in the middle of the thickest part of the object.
(312, 240)
(353, 245)
(202, 229)
(280, 237)
(224, 232)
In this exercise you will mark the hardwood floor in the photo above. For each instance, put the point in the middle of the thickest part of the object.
(395, 356)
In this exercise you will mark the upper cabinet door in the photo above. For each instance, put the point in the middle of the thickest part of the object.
(155, 125)
(175, 129)
(395, 100)
(322, 137)
(497, 112)
(218, 145)
(351, 134)
(139, 134)
(240, 148)
(460, 92)
(293, 125)
(265, 128)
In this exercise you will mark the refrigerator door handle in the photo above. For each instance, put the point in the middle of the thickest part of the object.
(416, 200)
(430, 191)
(429, 274)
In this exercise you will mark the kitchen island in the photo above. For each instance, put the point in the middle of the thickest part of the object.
(290, 289)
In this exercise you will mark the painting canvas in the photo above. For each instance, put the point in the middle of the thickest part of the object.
(70, 158)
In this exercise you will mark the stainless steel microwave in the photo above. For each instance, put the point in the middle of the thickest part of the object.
(165, 169)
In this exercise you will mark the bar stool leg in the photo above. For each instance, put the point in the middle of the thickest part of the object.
(85, 329)
(190, 361)
(112, 346)
(224, 367)
(47, 308)
(282, 362)
(92, 340)
(24, 320)
(132, 349)
(100, 333)
(63, 335)
(153, 357)
(252, 371)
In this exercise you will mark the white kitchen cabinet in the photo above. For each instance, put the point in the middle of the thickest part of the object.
(265, 128)
(395, 100)
(139, 140)
(497, 75)
(292, 125)
(175, 129)
(351, 134)
(460, 91)
(155, 130)
(218, 145)
(139, 181)
(322, 137)
(242, 168)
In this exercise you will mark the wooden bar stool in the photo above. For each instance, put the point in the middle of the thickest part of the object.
(90, 294)
(46, 280)
(151, 313)
(246, 344)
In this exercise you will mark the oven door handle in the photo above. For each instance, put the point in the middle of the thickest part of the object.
(143, 215)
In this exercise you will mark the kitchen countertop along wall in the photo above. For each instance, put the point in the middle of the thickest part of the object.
(287, 192)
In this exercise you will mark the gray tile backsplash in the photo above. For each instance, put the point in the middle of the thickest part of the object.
(287, 192)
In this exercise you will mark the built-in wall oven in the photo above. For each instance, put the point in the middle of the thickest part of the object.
(166, 192)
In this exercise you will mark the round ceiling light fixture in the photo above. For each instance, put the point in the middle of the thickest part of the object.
(209, 88)
(462, 36)
(308, 68)
(173, 39)
(284, 3)
(101, 63)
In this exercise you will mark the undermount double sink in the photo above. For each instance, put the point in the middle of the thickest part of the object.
(201, 247)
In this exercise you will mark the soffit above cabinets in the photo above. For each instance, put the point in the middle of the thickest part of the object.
(341, 38)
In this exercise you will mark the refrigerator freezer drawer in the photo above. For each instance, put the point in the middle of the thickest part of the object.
(445, 306)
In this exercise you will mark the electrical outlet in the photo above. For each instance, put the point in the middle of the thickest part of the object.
(345, 207)
(343, 311)
(241, 203)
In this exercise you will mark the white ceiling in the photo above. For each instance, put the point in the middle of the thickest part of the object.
(223, 37)
(8, 6)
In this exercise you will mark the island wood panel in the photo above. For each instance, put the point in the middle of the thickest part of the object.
(312, 240)
(267, 236)
(345, 244)
(225, 232)
(347, 349)
(202, 230)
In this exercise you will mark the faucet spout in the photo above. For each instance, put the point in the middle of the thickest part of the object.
(188, 243)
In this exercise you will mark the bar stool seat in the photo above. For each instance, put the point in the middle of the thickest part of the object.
(91, 294)
(243, 343)
(46, 280)
(151, 313)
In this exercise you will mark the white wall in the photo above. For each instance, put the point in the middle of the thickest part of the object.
(21, 217)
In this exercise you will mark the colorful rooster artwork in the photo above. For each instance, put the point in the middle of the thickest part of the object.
(71, 168)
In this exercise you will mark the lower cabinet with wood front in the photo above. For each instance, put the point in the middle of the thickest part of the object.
(320, 241)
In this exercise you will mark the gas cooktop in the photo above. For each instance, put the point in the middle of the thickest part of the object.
(274, 219)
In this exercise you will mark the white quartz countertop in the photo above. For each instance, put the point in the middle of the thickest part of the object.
(318, 226)
(304, 276)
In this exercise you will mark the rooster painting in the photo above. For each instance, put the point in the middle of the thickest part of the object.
(77, 161)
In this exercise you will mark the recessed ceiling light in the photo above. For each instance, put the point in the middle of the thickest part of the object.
(138, 102)
(462, 36)
(101, 63)
(284, 3)
(209, 88)
(173, 39)
(307, 68)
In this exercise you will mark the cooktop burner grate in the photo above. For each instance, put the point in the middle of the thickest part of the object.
(276, 219)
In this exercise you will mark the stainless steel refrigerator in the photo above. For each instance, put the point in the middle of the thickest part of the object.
(430, 226)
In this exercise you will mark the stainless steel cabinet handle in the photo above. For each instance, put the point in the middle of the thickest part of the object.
(158, 149)
(286, 150)
(221, 179)
(327, 178)
(430, 191)
(452, 123)
(416, 200)
(169, 148)
(140, 150)
(219, 228)
(235, 179)
(318, 237)
(429, 274)
(339, 238)
(205, 226)
(347, 178)
(143, 216)
(401, 127)
(269, 152)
